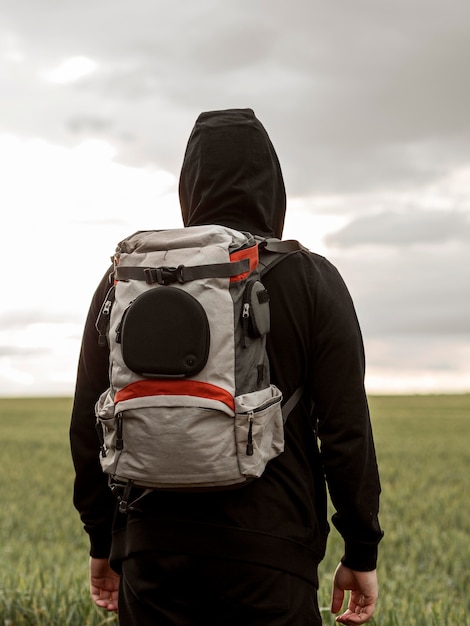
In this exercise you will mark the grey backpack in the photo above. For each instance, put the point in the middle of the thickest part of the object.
(190, 404)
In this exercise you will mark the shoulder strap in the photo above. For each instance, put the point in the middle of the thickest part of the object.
(272, 251)
(278, 245)
(291, 403)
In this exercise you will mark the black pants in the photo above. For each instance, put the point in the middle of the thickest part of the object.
(179, 590)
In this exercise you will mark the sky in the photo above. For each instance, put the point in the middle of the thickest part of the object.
(366, 101)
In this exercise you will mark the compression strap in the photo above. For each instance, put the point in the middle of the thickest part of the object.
(182, 273)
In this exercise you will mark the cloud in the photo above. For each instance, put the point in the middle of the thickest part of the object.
(39, 357)
(91, 125)
(403, 229)
(21, 318)
(416, 290)
(418, 364)
(70, 70)
(23, 352)
(354, 96)
(366, 105)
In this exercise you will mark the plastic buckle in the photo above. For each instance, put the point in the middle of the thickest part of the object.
(151, 275)
(179, 274)
(164, 275)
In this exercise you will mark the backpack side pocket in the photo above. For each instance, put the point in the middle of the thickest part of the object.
(259, 430)
(109, 430)
(255, 313)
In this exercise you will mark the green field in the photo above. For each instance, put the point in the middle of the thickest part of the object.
(423, 446)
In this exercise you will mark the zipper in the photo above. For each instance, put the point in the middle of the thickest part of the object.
(119, 439)
(245, 322)
(250, 417)
(118, 330)
(99, 431)
(266, 404)
(246, 311)
(102, 322)
(249, 443)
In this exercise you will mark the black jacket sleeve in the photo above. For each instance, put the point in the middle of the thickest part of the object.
(315, 341)
(92, 496)
(344, 428)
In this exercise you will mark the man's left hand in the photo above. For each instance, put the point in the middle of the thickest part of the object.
(104, 584)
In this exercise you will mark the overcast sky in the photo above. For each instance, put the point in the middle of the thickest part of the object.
(366, 101)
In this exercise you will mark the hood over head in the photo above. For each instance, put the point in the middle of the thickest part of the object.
(231, 175)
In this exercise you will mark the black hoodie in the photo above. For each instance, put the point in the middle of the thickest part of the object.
(231, 176)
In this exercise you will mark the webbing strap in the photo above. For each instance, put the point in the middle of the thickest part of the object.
(277, 245)
(280, 250)
(182, 273)
(273, 251)
(291, 403)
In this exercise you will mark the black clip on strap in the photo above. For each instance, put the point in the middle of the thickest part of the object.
(164, 275)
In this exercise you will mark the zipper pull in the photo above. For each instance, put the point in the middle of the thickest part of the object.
(249, 444)
(245, 321)
(118, 332)
(119, 439)
(102, 322)
(99, 431)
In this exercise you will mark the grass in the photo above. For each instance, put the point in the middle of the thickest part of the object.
(43, 549)
(423, 450)
(424, 458)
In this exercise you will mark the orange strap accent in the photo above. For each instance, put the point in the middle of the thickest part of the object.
(248, 253)
(160, 387)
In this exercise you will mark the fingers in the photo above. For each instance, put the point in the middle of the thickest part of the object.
(104, 584)
(360, 610)
(337, 599)
(105, 599)
(363, 589)
(351, 617)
